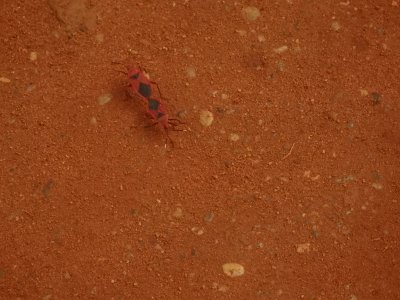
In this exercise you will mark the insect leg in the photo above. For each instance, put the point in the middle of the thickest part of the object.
(176, 120)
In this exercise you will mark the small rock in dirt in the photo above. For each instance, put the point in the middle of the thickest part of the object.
(75, 15)
(281, 49)
(220, 287)
(67, 275)
(182, 114)
(333, 116)
(198, 230)
(280, 66)
(47, 297)
(55, 34)
(178, 213)
(104, 99)
(233, 269)
(4, 80)
(241, 32)
(209, 217)
(30, 88)
(234, 137)
(206, 118)
(47, 188)
(353, 297)
(345, 179)
(377, 185)
(100, 38)
(250, 13)
(220, 110)
(159, 248)
(350, 124)
(376, 98)
(93, 121)
(363, 92)
(224, 96)
(191, 72)
(93, 291)
(261, 38)
(135, 212)
(303, 248)
(33, 56)
(335, 26)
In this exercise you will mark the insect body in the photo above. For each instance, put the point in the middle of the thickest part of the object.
(157, 111)
(139, 83)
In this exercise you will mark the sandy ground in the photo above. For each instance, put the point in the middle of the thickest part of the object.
(296, 180)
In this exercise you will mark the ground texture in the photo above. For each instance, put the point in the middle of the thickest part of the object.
(293, 175)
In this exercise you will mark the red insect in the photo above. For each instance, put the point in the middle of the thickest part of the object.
(157, 111)
(141, 85)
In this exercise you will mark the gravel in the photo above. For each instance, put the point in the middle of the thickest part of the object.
(233, 269)
(335, 26)
(191, 72)
(234, 137)
(376, 98)
(33, 56)
(250, 13)
(104, 99)
(206, 118)
(5, 80)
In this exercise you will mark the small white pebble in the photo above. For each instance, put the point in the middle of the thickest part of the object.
(222, 288)
(261, 38)
(335, 26)
(303, 248)
(178, 213)
(104, 99)
(224, 96)
(30, 88)
(159, 248)
(377, 185)
(250, 13)
(191, 72)
(233, 269)
(241, 32)
(4, 80)
(363, 92)
(93, 121)
(198, 230)
(206, 118)
(234, 137)
(281, 49)
(33, 56)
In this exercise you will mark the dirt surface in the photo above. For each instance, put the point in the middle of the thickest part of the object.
(296, 180)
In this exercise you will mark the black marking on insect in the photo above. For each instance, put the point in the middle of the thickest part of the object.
(153, 104)
(145, 90)
(135, 76)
